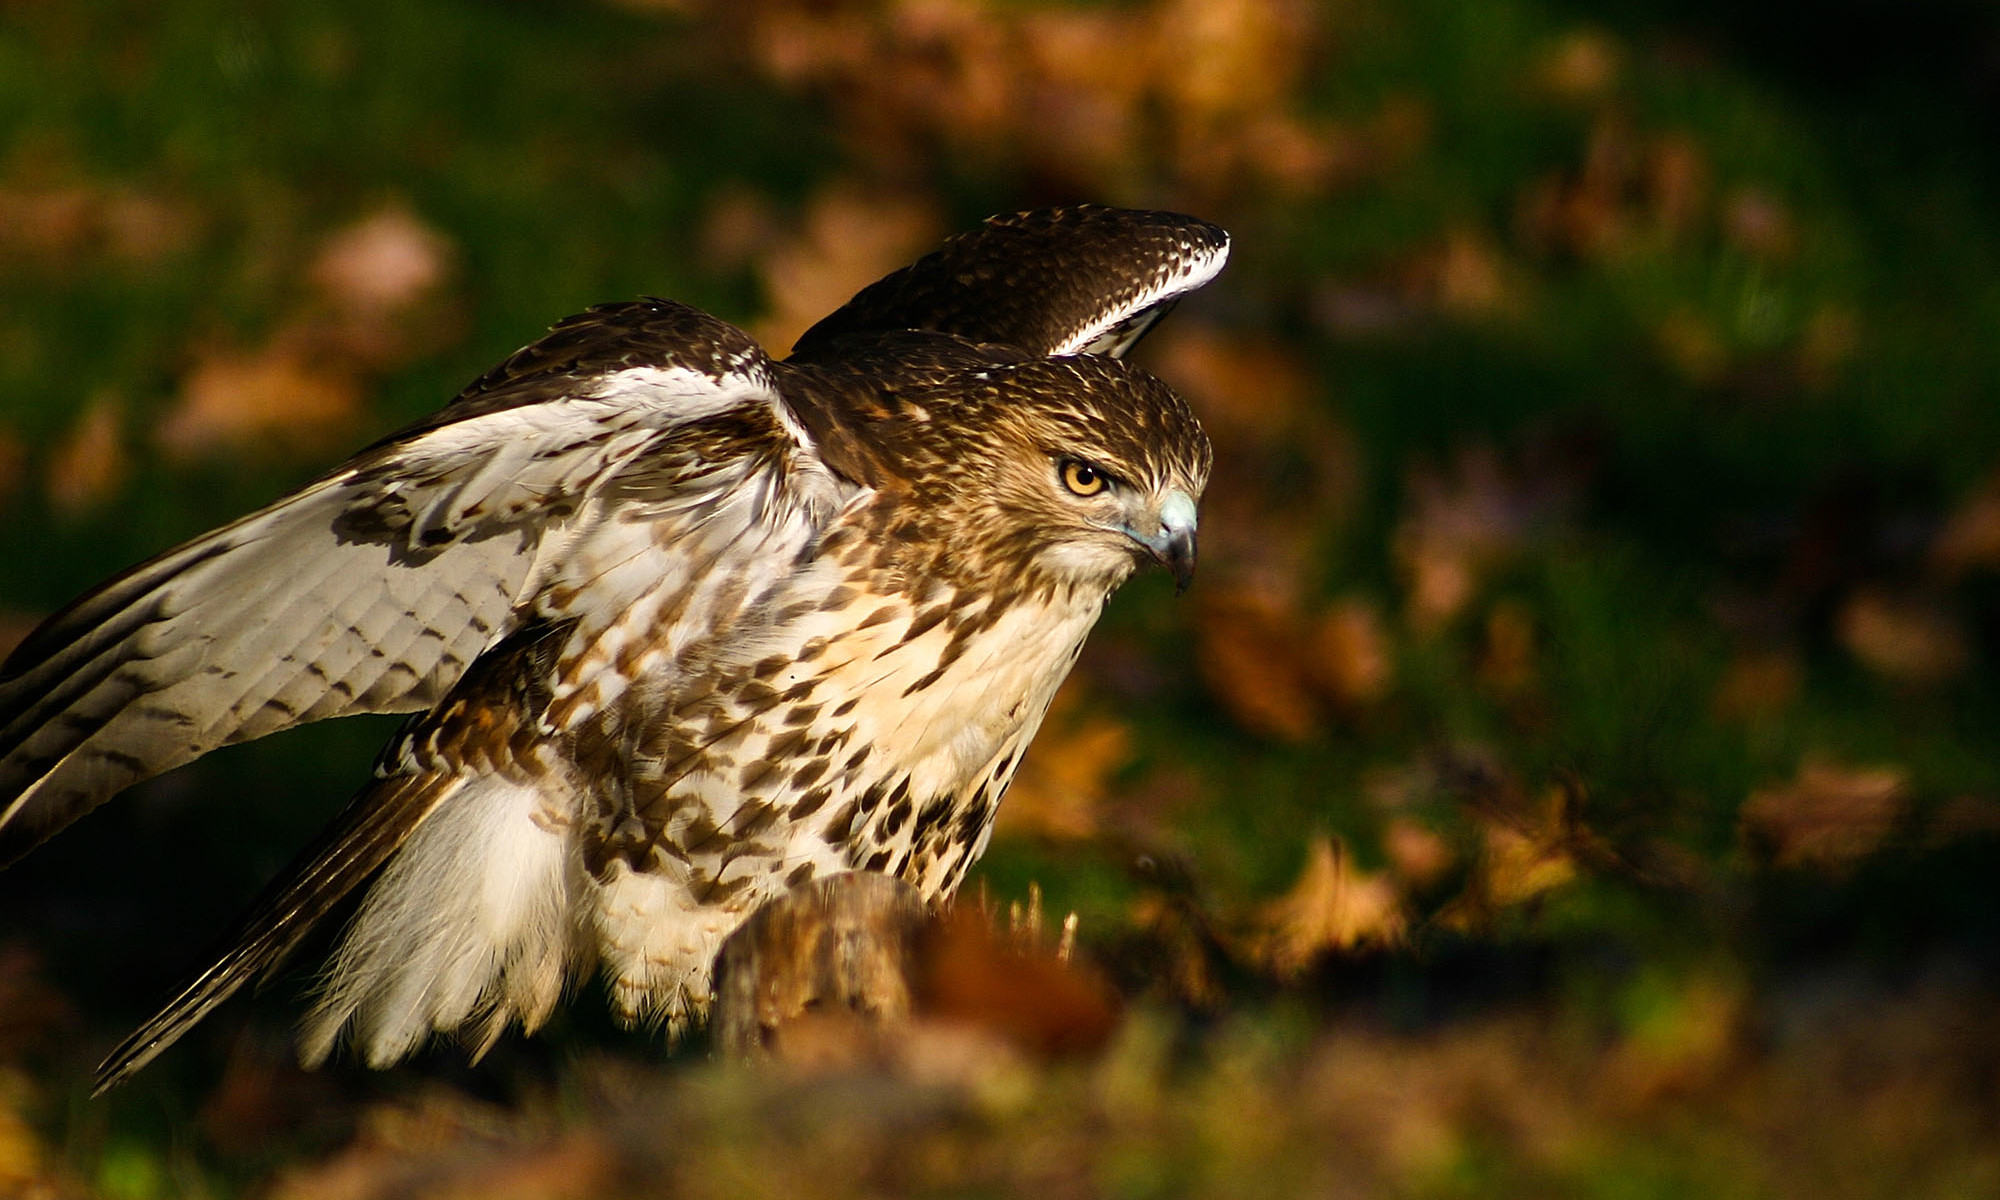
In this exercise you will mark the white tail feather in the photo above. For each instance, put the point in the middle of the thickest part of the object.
(469, 924)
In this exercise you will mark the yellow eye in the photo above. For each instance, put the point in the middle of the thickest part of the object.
(1082, 478)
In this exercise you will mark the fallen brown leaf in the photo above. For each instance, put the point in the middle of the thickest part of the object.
(738, 224)
(850, 238)
(383, 263)
(1759, 223)
(1461, 523)
(1828, 816)
(1519, 866)
(1348, 653)
(1507, 664)
(1583, 64)
(1419, 855)
(90, 465)
(1910, 638)
(277, 396)
(970, 974)
(1333, 907)
(1971, 537)
(1527, 853)
(1093, 97)
(1463, 275)
(1248, 652)
(380, 282)
(1758, 685)
(1066, 777)
(68, 223)
(1243, 387)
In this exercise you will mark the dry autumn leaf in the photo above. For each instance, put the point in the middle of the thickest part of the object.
(849, 238)
(62, 224)
(1971, 537)
(1248, 653)
(1758, 685)
(737, 225)
(463, 1162)
(383, 263)
(275, 396)
(1061, 787)
(1526, 855)
(1583, 64)
(1910, 638)
(1418, 854)
(1286, 471)
(1463, 275)
(1333, 907)
(1245, 388)
(1349, 654)
(1828, 816)
(374, 278)
(1091, 97)
(1460, 525)
(971, 974)
(90, 465)
(1519, 866)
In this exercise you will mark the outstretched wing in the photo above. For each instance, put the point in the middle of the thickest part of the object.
(1080, 280)
(370, 590)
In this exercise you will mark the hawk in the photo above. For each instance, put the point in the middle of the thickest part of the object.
(682, 627)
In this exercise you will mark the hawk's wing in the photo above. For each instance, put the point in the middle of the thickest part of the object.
(371, 589)
(1081, 280)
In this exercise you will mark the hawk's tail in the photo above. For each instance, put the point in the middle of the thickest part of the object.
(365, 834)
(470, 927)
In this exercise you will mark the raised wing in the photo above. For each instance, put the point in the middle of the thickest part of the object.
(370, 590)
(1079, 280)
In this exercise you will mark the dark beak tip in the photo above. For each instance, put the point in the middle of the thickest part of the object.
(1180, 559)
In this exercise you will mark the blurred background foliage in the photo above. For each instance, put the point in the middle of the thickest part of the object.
(1570, 776)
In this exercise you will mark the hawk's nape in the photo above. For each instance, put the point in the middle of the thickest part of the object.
(682, 628)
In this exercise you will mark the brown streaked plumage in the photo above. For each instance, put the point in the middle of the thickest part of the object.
(682, 628)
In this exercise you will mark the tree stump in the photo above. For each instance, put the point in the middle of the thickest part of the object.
(843, 945)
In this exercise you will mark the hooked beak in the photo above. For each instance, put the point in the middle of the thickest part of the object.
(1172, 544)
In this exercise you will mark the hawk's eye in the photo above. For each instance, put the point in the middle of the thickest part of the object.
(1082, 478)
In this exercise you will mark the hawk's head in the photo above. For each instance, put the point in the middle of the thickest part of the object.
(1062, 473)
(1099, 466)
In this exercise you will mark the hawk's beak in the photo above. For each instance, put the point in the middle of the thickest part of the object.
(1173, 543)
